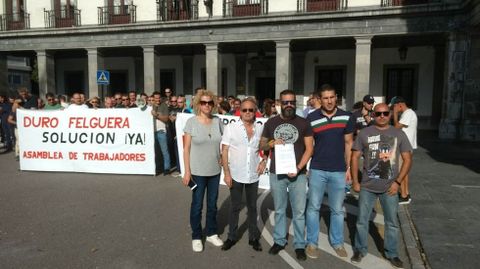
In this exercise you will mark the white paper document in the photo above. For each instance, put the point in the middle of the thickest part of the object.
(285, 161)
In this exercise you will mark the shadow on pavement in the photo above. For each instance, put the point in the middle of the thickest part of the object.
(462, 153)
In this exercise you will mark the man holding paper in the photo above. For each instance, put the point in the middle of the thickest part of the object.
(290, 140)
(329, 169)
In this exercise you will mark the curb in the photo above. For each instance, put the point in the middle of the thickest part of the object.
(412, 242)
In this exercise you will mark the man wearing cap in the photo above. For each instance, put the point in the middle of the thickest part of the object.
(407, 121)
(363, 117)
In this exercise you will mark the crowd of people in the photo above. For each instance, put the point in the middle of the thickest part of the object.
(328, 144)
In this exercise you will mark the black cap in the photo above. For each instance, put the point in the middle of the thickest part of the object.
(396, 100)
(369, 99)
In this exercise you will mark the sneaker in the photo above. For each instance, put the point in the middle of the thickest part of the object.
(341, 252)
(396, 262)
(357, 257)
(404, 200)
(215, 240)
(312, 252)
(228, 244)
(300, 254)
(275, 249)
(255, 245)
(197, 245)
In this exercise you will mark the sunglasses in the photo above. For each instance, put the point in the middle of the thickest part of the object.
(204, 103)
(49, 99)
(379, 113)
(285, 103)
(245, 110)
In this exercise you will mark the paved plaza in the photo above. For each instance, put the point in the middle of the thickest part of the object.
(76, 220)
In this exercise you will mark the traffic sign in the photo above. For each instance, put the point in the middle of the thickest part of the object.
(103, 77)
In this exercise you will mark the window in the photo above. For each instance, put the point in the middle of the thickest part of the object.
(118, 6)
(167, 79)
(401, 81)
(16, 8)
(335, 76)
(65, 8)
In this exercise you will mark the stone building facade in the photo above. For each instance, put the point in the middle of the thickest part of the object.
(428, 51)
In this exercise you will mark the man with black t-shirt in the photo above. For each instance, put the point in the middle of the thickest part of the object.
(288, 128)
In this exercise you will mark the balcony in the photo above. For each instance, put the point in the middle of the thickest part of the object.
(64, 17)
(177, 10)
(320, 5)
(117, 14)
(14, 21)
(240, 8)
(393, 3)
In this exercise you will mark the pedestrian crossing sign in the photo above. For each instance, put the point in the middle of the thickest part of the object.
(103, 77)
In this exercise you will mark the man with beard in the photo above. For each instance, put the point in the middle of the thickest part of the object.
(381, 145)
(333, 133)
(288, 128)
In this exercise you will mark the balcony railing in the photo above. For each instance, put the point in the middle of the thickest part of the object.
(239, 8)
(321, 5)
(117, 14)
(64, 17)
(14, 21)
(391, 3)
(177, 10)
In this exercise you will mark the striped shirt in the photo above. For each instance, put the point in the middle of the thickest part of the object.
(328, 133)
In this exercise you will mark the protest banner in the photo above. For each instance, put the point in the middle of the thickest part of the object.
(182, 118)
(115, 141)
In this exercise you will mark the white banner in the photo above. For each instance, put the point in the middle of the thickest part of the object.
(182, 118)
(115, 141)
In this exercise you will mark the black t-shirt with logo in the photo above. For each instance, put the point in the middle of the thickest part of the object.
(292, 131)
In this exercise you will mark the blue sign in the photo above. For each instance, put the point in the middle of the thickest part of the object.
(103, 77)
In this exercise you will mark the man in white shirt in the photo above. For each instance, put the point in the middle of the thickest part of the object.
(408, 122)
(77, 102)
(240, 142)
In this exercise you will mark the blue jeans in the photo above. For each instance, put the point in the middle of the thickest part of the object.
(162, 141)
(334, 182)
(209, 184)
(297, 194)
(390, 208)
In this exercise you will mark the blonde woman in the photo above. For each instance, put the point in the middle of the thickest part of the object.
(203, 134)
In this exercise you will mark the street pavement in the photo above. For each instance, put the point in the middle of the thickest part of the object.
(445, 210)
(77, 220)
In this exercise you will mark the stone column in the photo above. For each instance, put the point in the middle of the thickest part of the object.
(3, 74)
(46, 73)
(150, 67)
(282, 67)
(213, 64)
(362, 68)
(187, 61)
(470, 124)
(456, 50)
(95, 62)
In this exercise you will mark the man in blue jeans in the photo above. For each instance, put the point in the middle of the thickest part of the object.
(381, 145)
(333, 133)
(287, 128)
(160, 119)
